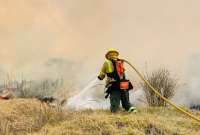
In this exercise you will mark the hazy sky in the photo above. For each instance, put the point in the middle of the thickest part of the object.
(157, 32)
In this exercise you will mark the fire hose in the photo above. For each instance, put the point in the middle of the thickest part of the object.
(162, 97)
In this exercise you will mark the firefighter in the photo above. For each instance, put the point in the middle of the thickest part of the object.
(117, 87)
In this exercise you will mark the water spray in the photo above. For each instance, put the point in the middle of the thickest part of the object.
(85, 99)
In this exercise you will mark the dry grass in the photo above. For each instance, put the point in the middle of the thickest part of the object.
(151, 121)
(19, 116)
(29, 116)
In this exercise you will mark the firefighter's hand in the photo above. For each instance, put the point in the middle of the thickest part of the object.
(99, 78)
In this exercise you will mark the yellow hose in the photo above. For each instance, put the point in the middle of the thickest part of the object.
(165, 99)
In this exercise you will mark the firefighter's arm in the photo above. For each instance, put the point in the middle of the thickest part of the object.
(102, 73)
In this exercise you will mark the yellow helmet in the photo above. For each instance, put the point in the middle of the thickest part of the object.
(111, 50)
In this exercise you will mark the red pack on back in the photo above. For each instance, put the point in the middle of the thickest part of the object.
(120, 67)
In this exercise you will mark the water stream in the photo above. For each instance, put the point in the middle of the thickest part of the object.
(90, 97)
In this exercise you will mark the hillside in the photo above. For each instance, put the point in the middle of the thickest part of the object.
(29, 116)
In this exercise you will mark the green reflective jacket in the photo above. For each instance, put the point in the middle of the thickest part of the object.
(108, 67)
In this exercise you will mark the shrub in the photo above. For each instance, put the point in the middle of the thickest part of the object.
(162, 80)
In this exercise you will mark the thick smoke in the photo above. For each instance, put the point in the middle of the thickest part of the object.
(42, 39)
(153, 31)
(189, 93)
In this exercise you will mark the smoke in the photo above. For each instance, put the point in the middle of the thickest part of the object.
(35, 30)
(189, 93)
(46, 39)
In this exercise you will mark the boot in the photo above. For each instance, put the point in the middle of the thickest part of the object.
(132, 109)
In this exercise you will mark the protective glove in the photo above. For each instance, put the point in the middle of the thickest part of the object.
(99, 78)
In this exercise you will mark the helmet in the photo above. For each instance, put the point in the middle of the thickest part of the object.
(111, 50)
